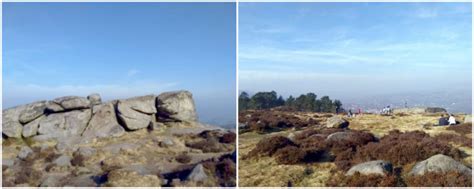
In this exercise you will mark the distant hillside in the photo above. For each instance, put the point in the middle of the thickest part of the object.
(453, 101)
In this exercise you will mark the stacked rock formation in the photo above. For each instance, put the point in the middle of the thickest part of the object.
(74, 119)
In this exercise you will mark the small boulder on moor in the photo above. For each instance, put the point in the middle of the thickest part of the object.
(439, 163)
(337, 122)
(372, 167)
(197, 174)
(63, 160)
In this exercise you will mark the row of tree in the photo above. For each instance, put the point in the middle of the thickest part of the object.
(305, 102)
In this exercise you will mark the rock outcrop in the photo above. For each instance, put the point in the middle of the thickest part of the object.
(152, 140)
(90, 118)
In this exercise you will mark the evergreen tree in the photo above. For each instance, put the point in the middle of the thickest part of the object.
(337, 104)
(280, 101)
(326, 104)
(263, 100)
(290, 102)
(244, 101)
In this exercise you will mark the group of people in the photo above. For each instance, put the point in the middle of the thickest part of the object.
(350, 114)
(451, 120)
(386, 110)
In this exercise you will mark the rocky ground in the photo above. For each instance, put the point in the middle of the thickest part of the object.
(280, 148)
(142, 141)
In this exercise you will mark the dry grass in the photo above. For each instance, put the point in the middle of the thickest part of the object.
(359, 180)
(432, 179)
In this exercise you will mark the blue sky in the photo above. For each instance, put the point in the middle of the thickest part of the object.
(350, 50)
(121, 50)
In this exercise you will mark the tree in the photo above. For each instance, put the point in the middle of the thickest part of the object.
(304, 102)
(310, 102)
(290, 102)
(244, 101)
(317, 106)
(299, 102)
(263, 100)
(280, 101)
(337, 104)
(326, 104)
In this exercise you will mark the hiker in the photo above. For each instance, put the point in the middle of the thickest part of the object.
(349, 114)
(386, 110)
(443, 121)
(452, 120)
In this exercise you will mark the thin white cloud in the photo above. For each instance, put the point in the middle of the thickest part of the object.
(307, 56)
(425, 12)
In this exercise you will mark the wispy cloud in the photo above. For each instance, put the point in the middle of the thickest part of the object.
(424, 12)
(132, 72)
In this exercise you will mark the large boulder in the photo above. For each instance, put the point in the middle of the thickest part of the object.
(178, 106)
(435, 110)
(32, 111)
(94, 99)
(76, 121)
(337, 122)
(103, 123)
(52, 124)
(136, 113)
(439, 163)
(378, 167)
(67, 123)
(68, 103)
(127, 178)
(468, 119)
(11, 126)
(31, 128)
